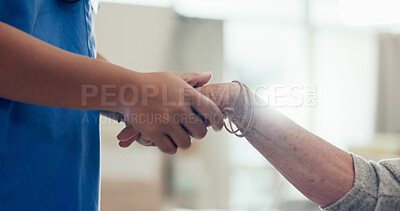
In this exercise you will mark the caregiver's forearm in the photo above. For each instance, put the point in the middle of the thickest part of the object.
(35, 72)
(321, 171)
(101, 57)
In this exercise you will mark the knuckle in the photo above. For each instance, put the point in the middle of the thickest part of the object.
(180, 109)
(188, 93)
(151, 129)
(165, 119)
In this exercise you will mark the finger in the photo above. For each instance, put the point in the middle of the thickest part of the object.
(152, 144)
(129, 132)
(197, 79)
(194, 125)
(208, 110)
(166, 144)
(143, 140)
(127, 143)
(180, 137)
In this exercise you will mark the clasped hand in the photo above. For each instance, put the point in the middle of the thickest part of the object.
(169, 112)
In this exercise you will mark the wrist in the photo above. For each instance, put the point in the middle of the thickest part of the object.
(119, 91)
(128, 91)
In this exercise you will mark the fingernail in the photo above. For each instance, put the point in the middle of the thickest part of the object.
(216, 128)
(122, 144)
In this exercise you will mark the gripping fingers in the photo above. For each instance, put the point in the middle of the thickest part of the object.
(127, 136)
(194, 125)
(129, 132)
(166, 144)
(180, 137)
(208, 110)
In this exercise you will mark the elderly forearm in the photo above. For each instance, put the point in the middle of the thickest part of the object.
(321, 171)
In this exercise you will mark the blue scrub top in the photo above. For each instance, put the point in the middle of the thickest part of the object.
(50, 157)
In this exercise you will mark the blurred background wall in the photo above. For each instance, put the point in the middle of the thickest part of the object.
(346, 74)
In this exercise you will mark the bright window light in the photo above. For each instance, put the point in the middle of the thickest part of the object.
(369, 12)
(239, 9)
(226, 9)
(153, 3)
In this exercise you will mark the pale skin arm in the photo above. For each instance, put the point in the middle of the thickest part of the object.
(35, 72)
(319, 170)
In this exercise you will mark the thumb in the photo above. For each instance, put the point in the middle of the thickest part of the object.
(128, 133)
(197, 79)
(127, 136)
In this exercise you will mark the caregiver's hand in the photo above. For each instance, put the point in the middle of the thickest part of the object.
(225, 95)
(165, 102)
(169, 110)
